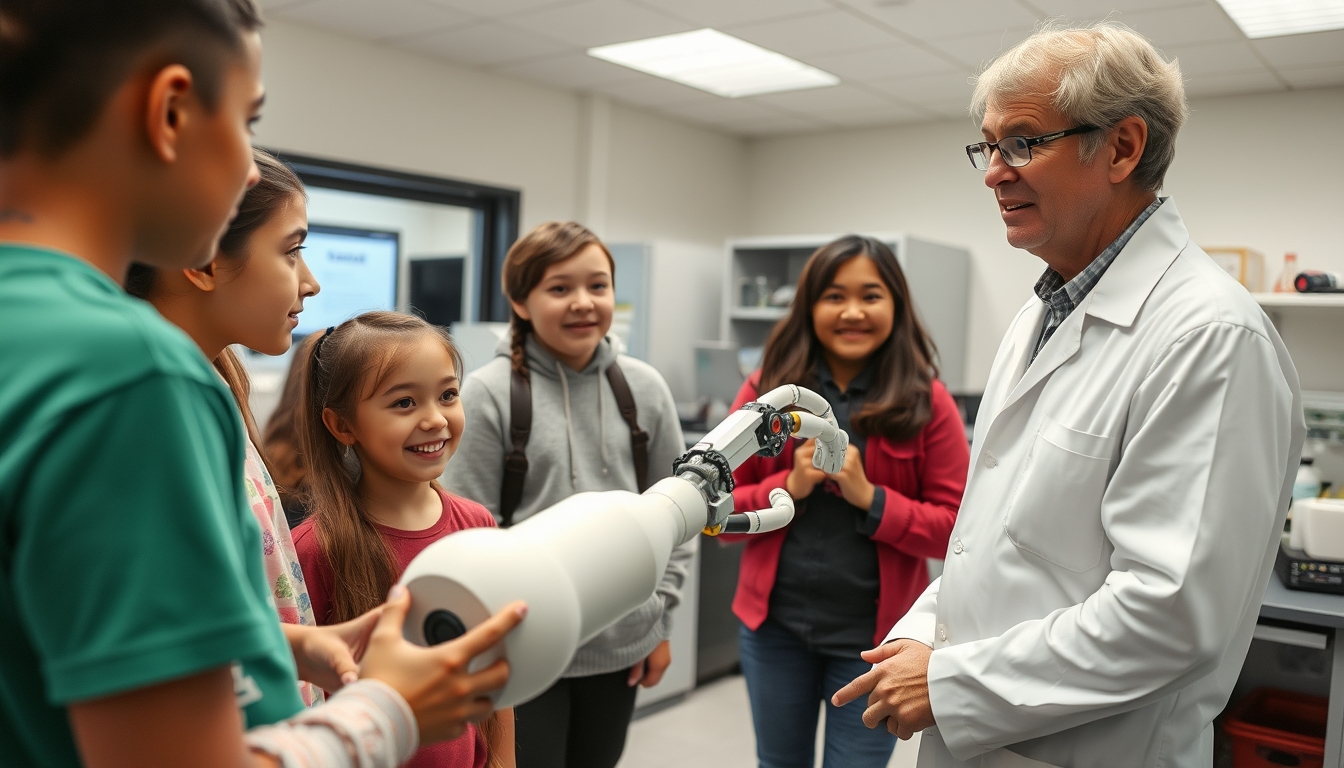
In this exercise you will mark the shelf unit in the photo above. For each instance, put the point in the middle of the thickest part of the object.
(1300, 300)
(1307, 655)
(938, 276)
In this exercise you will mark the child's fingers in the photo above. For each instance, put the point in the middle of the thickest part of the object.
(394, 612)
(486, 634)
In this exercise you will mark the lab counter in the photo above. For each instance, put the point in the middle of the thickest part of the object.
(1299, 645)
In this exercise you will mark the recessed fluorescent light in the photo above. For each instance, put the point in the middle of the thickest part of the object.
(1271, 18)
(712, 61)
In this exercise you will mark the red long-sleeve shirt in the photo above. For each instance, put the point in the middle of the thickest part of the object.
(923, 478)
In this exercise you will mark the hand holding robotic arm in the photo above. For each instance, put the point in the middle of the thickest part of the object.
(589, 560)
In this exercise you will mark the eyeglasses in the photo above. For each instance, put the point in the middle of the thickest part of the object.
(1016, 150)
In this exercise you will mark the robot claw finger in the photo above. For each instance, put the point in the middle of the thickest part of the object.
(586, 562)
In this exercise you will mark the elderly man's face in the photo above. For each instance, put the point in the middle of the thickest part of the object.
(1049, 204)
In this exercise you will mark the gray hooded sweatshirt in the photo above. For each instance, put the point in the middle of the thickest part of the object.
(579, 443)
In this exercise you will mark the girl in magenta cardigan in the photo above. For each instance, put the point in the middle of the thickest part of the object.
(813, 595)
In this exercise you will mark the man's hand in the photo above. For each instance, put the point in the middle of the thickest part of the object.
(803, 478)
(650, 671)
(328, 657)
(853, 481)
(897, 688)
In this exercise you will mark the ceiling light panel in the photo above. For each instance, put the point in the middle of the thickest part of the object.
(1272, 18)
(712, 61)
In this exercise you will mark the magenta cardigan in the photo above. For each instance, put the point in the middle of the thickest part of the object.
(923, 477)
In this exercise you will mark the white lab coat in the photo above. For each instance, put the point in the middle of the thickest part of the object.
(1124, 502)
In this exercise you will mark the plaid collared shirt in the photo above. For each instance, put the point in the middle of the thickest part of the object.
(1062, 298)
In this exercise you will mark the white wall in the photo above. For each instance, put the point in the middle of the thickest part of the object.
(631, 175)
(1250, 170)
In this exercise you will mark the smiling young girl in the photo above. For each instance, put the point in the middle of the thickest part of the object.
(813, 595)
(379, 418)
(559, 363)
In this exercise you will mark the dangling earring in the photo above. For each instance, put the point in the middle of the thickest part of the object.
(350, 462)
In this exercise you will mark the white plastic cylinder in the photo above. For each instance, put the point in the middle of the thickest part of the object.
(581, 566)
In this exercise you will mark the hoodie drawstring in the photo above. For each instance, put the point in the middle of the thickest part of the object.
(569, 425)
(602, 426)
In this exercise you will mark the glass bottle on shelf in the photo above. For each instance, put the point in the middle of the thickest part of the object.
(1287, 275)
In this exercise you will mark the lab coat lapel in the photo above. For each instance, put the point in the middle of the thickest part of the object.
(1061, 346)
(1116, 299)
(1010, 363)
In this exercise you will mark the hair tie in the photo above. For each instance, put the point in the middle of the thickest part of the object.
(317, 348)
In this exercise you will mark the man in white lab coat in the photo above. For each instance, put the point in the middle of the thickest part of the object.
(1133, 458)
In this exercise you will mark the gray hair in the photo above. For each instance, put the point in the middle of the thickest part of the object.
(1095, 75)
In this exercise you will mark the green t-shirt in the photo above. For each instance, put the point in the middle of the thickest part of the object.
(128, 553)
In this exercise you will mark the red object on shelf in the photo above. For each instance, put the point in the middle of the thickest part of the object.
(1271, 728)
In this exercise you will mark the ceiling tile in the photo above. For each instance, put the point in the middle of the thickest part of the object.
(1300, 51)
(1187, 25)
(1215, 58)
(1080, 11)
(721, 13)
(939, 90)
(713, 109)
(817, 101)
(650, 91)
(1314, 77)
(887, 115)
(814, 34)
(775, 126)
(573, 70)
(486, 43)
(1227, 85)
(383, 20)
(977, 51)
(937, 19)
(499, 8)
(599, 22)
(894, 60)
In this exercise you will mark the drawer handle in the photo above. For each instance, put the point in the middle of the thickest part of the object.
(1298, 637)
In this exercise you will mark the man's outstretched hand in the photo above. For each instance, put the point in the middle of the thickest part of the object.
(897, 688)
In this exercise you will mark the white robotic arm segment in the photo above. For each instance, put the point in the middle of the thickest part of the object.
(587, 561)
(779, 514)
(832, 441)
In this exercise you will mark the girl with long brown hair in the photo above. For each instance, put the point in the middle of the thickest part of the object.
(813, 595)
(379, 418)
(600, 421)
(251, 294)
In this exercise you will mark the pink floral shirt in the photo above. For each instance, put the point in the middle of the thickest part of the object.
(289, 593)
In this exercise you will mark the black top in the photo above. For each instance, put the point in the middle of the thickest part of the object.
(826, 587)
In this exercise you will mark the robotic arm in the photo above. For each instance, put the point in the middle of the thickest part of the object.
(591, 559)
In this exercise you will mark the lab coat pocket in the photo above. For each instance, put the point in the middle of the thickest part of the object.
(1055, 511)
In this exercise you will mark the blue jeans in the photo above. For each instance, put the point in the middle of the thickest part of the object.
(786, 680)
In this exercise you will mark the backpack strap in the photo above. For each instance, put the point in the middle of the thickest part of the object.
(520, 430)
(639, 439)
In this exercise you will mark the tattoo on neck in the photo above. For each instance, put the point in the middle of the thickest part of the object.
(14, 214)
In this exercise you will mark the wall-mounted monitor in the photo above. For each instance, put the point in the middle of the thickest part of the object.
(357, 269)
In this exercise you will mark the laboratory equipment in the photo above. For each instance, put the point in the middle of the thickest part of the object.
(1318, 528)
(1316, 281)
(1287, 274)
(584, 563)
